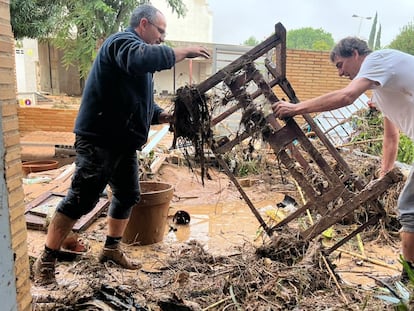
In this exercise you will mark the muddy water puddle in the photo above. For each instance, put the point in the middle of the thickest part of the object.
(220, 226)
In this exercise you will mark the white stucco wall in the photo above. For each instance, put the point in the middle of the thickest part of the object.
(195, 26)
(27, 60)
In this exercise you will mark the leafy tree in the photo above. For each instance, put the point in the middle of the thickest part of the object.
(308, 38)
(377, 45)
(374, 41)
(34, 19)
(371, 39)
(405, 40)
(78, 27)
(251, 41)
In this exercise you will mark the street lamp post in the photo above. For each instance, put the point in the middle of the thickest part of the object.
(361, 18)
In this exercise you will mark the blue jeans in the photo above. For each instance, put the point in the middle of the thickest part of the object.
(95, 168)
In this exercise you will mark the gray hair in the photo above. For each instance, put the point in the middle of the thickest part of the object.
(347, 46)
(143, 11)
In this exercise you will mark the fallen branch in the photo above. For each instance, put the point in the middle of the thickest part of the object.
(233, 297)
(360, 245)
(216, 303)
(335, 280)
(361, 142)
(374, 261)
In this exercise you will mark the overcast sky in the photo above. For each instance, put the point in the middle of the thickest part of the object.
(234, 21)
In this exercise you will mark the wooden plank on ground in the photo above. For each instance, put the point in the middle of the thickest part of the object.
(39, 211)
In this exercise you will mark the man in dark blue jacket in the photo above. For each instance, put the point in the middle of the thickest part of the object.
(114, 118)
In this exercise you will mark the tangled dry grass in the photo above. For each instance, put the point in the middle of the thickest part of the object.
(193, 279)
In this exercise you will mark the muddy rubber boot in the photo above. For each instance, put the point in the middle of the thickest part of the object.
(44, 270)
(118, 256)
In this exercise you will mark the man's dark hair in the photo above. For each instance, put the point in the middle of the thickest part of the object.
(346, 46)
(143, 11)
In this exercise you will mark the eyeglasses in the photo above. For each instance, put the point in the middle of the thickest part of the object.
(339, 65)
(160, 30)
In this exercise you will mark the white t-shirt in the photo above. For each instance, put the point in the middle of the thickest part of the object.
(394, 96)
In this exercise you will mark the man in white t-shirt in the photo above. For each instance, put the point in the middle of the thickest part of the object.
(390, 75)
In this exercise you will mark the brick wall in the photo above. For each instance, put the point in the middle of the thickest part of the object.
(46, 119)
(312, 74)
(12, 159)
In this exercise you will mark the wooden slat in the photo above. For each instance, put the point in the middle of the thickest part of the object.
(238, 64)
(34, 220)
(369, 192)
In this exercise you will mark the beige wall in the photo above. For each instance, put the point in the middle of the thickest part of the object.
(185, 73)
(54, 77)
(12, 166)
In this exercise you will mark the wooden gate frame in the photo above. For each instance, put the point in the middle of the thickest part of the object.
(340, 184)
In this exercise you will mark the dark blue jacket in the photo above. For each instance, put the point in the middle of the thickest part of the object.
(117, 106)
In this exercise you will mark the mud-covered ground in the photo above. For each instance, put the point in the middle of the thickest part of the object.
(222, 260)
